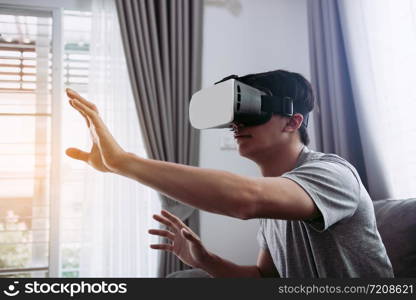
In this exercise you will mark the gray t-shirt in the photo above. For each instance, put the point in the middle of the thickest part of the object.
(343, 241)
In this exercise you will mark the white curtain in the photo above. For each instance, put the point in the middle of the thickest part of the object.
(380, 42)
(117, 211)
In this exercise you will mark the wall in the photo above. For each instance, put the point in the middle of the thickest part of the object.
(264, 35)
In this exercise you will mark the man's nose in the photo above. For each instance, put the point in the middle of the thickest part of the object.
(236, 126)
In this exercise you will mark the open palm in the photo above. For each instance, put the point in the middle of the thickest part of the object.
(185, 244)
(105, 149)
(93, 158)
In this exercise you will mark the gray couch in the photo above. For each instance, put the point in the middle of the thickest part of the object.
(396, 222)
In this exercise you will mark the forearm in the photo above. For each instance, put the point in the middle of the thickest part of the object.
(219, 267)
(210, 190)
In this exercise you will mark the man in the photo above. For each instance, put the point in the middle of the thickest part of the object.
(317, 219)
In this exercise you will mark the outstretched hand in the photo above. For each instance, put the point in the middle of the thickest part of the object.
(185, 244)
(105, 153)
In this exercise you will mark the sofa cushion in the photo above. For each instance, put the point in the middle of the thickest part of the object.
(396, 222)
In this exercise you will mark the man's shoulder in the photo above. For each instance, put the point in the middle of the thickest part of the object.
(329, 165)
(313, 156)
(327, 159)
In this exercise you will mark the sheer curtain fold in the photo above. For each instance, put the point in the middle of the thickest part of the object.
(361, 70)
(117, 211)
(380, 46)
(336, 116)
(162, 40)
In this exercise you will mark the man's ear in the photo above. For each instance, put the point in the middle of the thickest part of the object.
(294, 122)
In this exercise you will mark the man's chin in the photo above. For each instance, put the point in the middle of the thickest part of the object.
(244, 151)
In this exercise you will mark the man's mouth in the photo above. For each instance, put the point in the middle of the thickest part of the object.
(237, 136)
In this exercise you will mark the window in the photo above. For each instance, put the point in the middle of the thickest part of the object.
(25, 142)
(26, 147)
(42, 192)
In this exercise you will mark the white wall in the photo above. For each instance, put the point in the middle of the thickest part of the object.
(265, 35)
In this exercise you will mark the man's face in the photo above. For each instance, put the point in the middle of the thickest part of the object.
(254, 141)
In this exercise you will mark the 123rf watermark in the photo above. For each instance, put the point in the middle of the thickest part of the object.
(68, 288)
(368, 289)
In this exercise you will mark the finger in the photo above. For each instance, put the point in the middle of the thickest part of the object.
(165, 247)
(73, 94)
(82, 108)
(91, 115)
(189, 236)
(174, 219)
(165, 233)
(77, 154)
(84, 115)
(163, 220)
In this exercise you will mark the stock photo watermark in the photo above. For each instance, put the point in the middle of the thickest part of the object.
(71, 289)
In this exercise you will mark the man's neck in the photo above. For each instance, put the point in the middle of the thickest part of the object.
(280, 161)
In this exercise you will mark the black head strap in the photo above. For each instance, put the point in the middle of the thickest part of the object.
(305, 120)
(277, 105)
(282, 106)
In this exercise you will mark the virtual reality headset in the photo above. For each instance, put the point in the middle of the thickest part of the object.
(232, 101)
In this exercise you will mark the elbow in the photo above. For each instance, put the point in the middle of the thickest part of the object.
(246, 211)
(248, 203)
(244, 216)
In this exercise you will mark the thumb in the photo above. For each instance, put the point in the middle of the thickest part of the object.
(77, 154)
(189, 236)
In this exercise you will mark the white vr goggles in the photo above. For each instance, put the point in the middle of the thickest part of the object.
(232, 101)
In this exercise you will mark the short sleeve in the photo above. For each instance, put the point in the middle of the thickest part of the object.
(261, 239)
(333, 187)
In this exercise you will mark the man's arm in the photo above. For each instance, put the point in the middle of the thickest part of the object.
(188, 247)
(211, 190)
(221, 192)
(219, 267)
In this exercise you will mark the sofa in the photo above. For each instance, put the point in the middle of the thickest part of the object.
(396, 222)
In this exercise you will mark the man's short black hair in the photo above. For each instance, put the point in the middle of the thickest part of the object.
(284, 83)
